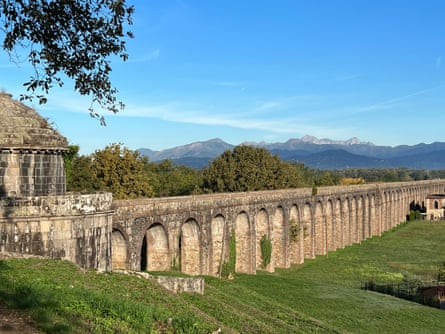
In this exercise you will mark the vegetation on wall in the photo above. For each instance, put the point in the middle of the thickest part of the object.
(294, 230)
(266, 251)
(229, 267)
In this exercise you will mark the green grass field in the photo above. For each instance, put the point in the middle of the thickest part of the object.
(321, 296)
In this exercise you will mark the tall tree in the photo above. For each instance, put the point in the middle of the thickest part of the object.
(249, 168)
(74, 38)
(121, 171)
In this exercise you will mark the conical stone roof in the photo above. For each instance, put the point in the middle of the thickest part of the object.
(21, 127)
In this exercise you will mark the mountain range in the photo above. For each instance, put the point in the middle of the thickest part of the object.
(316, 153)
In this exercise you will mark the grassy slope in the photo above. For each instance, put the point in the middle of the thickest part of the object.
(323, 295)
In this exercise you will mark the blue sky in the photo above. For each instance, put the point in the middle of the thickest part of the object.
(267, 71)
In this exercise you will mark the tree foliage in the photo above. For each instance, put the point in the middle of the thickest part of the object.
(82, 178)
(368, 175)
(72, 38)
(249, 168)
(68, 157)
(170, 179)
(116, 169)
(121, 171)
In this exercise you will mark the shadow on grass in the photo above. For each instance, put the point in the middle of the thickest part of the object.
(34, 298)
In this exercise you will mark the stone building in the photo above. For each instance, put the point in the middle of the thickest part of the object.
(435, 207)
(37, 216)
(31, 152)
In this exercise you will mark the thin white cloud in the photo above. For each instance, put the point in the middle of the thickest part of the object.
(270, 105)
(297, 121)
(201, 115)
(152, 55)
(388, 103)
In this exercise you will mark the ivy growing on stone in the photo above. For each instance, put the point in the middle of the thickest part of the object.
(228, 268)
(266, 251)
(294, 230)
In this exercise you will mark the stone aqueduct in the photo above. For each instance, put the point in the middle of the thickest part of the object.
(193, 232)
(38, 217)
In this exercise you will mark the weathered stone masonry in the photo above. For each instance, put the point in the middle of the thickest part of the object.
(36, 215)
(193, 232)
(72, 227)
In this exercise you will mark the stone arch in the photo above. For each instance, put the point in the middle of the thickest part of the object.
(243, 244)
(385, 218)
(398, 207)
(262, 228)
(331, 234)
(119, 249)
(279, 254)
(339, 242)
(296, 238)
(365, 214)
(346, 215)
(390, 210)
(320, 230)
(189, 248)
(360, 219)
(373, 217)
(220, 246)
(353, 219)
(155, 249)
(308, 232)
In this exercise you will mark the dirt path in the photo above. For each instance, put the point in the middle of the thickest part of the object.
(14, 322)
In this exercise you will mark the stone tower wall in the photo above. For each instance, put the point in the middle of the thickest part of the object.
(31, 173)
(72, 227)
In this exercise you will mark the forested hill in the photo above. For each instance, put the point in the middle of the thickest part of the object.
(316, 153)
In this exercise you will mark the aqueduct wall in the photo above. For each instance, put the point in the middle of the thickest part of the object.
(193, 232)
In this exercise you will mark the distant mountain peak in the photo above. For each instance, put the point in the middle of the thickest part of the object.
(326, 141)
(316, 153)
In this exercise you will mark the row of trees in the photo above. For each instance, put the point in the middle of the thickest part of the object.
(127, 174)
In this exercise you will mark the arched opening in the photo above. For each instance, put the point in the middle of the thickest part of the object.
(144, 254)
(339, 242)
(346, 222)
(220, 246)
(279, 254)
(373, 219)
(308, 232)
(296, 236)
(189, 248)
(353, 220)
(243, 244)
(156, 249)
(320, 230)
(262, 229)
(359, 224)
(118, 250)
(331, 234)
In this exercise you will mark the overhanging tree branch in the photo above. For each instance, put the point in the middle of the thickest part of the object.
(68, 37)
